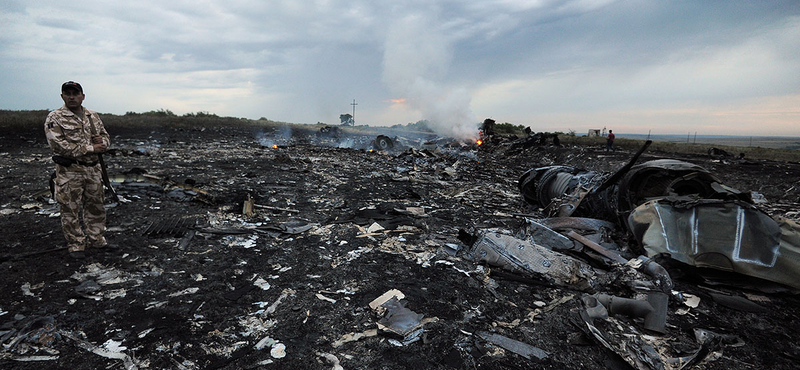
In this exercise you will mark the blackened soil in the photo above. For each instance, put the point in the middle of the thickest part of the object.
(175, 302)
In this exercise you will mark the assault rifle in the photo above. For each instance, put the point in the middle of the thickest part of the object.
(103, 167)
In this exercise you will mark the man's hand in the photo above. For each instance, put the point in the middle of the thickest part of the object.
(98, 145)
(99, 148)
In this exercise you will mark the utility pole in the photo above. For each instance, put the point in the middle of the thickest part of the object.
(354, 111)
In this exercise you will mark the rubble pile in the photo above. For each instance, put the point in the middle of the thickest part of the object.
(248, 249)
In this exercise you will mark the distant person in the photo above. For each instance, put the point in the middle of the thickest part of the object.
(610, 140)
(488, 127)
(76, 136)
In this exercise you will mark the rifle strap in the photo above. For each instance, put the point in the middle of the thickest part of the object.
(91, 122)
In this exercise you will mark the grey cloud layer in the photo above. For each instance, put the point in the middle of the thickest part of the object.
(304, 61)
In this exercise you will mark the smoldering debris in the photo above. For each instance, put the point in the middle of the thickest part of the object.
(240, 252)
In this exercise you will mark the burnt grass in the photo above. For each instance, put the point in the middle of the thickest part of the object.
(195, 305)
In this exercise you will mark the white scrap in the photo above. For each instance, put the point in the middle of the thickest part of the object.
(324, 298)
(186, 291)
(26, 290)
(264, 343)
(333, 360)
(691, 300)
(34, 358)
(284, 294)
(377, 302)
(278, 350)
(127, 361)
(375, 227)
(113, 346)
(261, 283)
(352, 337)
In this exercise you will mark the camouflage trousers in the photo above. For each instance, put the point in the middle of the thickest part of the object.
(79, 192)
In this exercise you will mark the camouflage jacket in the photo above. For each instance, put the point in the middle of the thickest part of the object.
(71, 136)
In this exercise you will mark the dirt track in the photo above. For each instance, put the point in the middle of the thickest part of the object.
(241, 287)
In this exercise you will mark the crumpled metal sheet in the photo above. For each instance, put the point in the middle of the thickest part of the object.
(522, 256)
(401, 321)
(724, 235)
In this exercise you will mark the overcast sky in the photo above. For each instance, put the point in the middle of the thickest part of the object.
(666, 67)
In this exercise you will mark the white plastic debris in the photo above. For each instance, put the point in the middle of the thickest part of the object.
(113, 346)
(278, 350)
(691, 300)
(374, 228)
(326, 299)
(261, 283)
(265, 342)
(26, 290)
(186, 291)
(333, 360)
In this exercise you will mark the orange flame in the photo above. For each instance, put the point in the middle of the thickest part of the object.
(275, 146)
(479, 142)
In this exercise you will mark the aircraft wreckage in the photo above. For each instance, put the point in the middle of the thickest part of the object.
(677, 209)
(300, 252)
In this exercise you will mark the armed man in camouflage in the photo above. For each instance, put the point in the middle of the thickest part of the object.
(76, 135)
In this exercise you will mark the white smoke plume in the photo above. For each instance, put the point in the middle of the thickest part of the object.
(416, 58)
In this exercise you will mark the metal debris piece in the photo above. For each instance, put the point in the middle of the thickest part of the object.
(293, 227)
(352, 337)
(175, 227)
(547, 237)
(576, 223)
(186, 240)
(127, 361)
(613, 256)
(729, 236)
(629, 345)
(521, 348)
(737, 303)
(521, 256)
(401, 322)
(247, 207)
(378, 302)
(653, 310)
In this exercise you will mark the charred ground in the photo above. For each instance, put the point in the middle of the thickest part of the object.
(176, 302)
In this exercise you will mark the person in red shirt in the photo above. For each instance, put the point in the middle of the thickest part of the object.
(610, 140)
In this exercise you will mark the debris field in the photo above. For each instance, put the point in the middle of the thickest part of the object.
(260, 248)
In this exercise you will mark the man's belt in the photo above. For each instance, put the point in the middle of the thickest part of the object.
(67, 161)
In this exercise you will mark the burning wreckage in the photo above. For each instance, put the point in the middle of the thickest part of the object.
(405, 256)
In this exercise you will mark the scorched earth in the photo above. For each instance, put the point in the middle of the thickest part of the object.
(234, 254)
